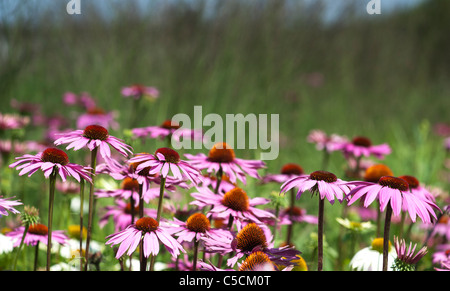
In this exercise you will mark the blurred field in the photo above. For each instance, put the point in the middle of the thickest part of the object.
(385, 76)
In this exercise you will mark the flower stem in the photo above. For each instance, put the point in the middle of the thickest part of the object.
(91, 205)
(387, 227)
(36, 253)
(50, 214)
(291, 210)
(161, 198)
(320, 236)
(21, 245)
(194, 265)
(81, 222)
(158, 215)
(218, 180)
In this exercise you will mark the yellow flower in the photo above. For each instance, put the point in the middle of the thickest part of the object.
(74, 231)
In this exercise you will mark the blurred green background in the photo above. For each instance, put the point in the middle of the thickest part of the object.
(382, 76)
(352, 74)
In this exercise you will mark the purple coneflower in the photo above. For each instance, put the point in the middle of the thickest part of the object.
(288, 171)
(362, 146)
(167, 130)
(324, 142)
(36, 233)
(327, 185)
(393, 195)
(406, 259)
(222, 160)
(234, 205)
(97, 139)
(6, 204)
(148, 231)
(92, 137)
(393, 192)
(97, 116)
(138, 91)
(196, 226)
(52, 162)
(249, 239)
(165, 160)
(13, 121)
(442, 227)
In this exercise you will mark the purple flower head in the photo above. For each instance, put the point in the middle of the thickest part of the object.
(51, 159)
(362, 146)
(97, 116)
(37, 233)
(165, 160)
(138, 91)
(6, 204)
(94, 136)
(326, 184)
(196, 226)
(168, 129)
(395, 192)
(222, 158)
(288, 171)
(13, 121)
(148, 230)
(406, 256)
(330, 143)
(234, 203)
(251, 238)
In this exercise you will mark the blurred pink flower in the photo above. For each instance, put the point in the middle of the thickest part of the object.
(330, 143)
(13, 121)
(97, 116)
(168, 129)
(362, 146)
(6, 204)
(288, 171)
(138, 91)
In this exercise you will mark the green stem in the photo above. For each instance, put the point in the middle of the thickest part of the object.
(36, 253)
(50, 215)
(194, 265)
(326, 159)
(161, 198)
(387, 227)
(320, 236)
(158, 215)
(291, 209)
(21, 245)
(81, 222)
(218, 180)
(91, 205)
